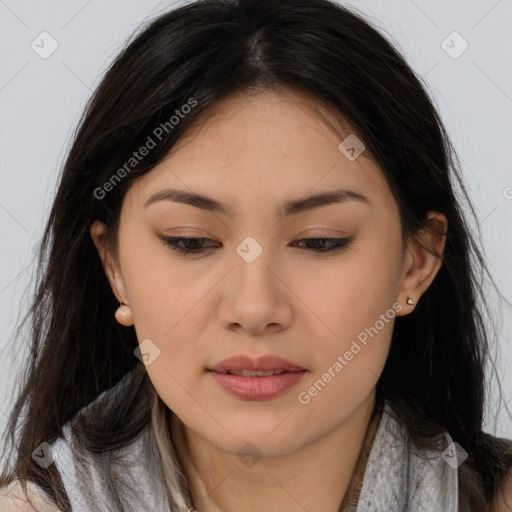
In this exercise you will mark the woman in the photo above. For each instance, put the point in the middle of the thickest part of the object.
(262, 194)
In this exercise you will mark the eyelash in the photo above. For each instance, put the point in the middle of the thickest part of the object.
(172, 243)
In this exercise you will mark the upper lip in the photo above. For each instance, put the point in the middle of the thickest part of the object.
(263, 363)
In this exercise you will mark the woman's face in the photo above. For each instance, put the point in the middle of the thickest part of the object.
(258, 289)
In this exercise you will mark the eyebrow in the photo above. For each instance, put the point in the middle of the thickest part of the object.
(290, 207)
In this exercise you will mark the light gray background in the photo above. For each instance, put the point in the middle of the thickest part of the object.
(41, 100)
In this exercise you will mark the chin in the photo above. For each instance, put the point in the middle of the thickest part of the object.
(249, 440)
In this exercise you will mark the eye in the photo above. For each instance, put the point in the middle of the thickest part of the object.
(174, 243)
(194, 245)
(336, 244)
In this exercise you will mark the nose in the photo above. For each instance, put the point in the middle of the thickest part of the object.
(255, 297)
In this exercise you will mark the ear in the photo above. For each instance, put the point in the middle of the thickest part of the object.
(110, 265)
(420, 265)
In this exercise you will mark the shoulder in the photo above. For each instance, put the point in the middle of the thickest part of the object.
(502, 502)
(13, 499)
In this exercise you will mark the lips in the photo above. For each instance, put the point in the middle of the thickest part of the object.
(256, 379)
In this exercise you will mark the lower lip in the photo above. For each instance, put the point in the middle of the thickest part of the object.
(257, 388)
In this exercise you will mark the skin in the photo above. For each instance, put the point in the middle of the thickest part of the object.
(253, 153)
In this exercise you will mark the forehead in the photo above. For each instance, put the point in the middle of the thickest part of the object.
(267, 146)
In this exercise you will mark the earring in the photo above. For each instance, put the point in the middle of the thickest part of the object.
(410, 301)
(124, 315)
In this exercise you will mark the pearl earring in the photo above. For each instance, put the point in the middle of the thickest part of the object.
(124, 314)
(410, 301)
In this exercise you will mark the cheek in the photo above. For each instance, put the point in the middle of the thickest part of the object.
(165, 306)
(357, 308)
(351, 295)
(162, 290)
(348, 363)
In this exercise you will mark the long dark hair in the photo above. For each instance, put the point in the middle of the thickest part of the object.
(196, 55)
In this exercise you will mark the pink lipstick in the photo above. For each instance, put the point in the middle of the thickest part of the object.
(256, 379)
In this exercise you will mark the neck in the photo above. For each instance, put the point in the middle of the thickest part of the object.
(314, 478)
